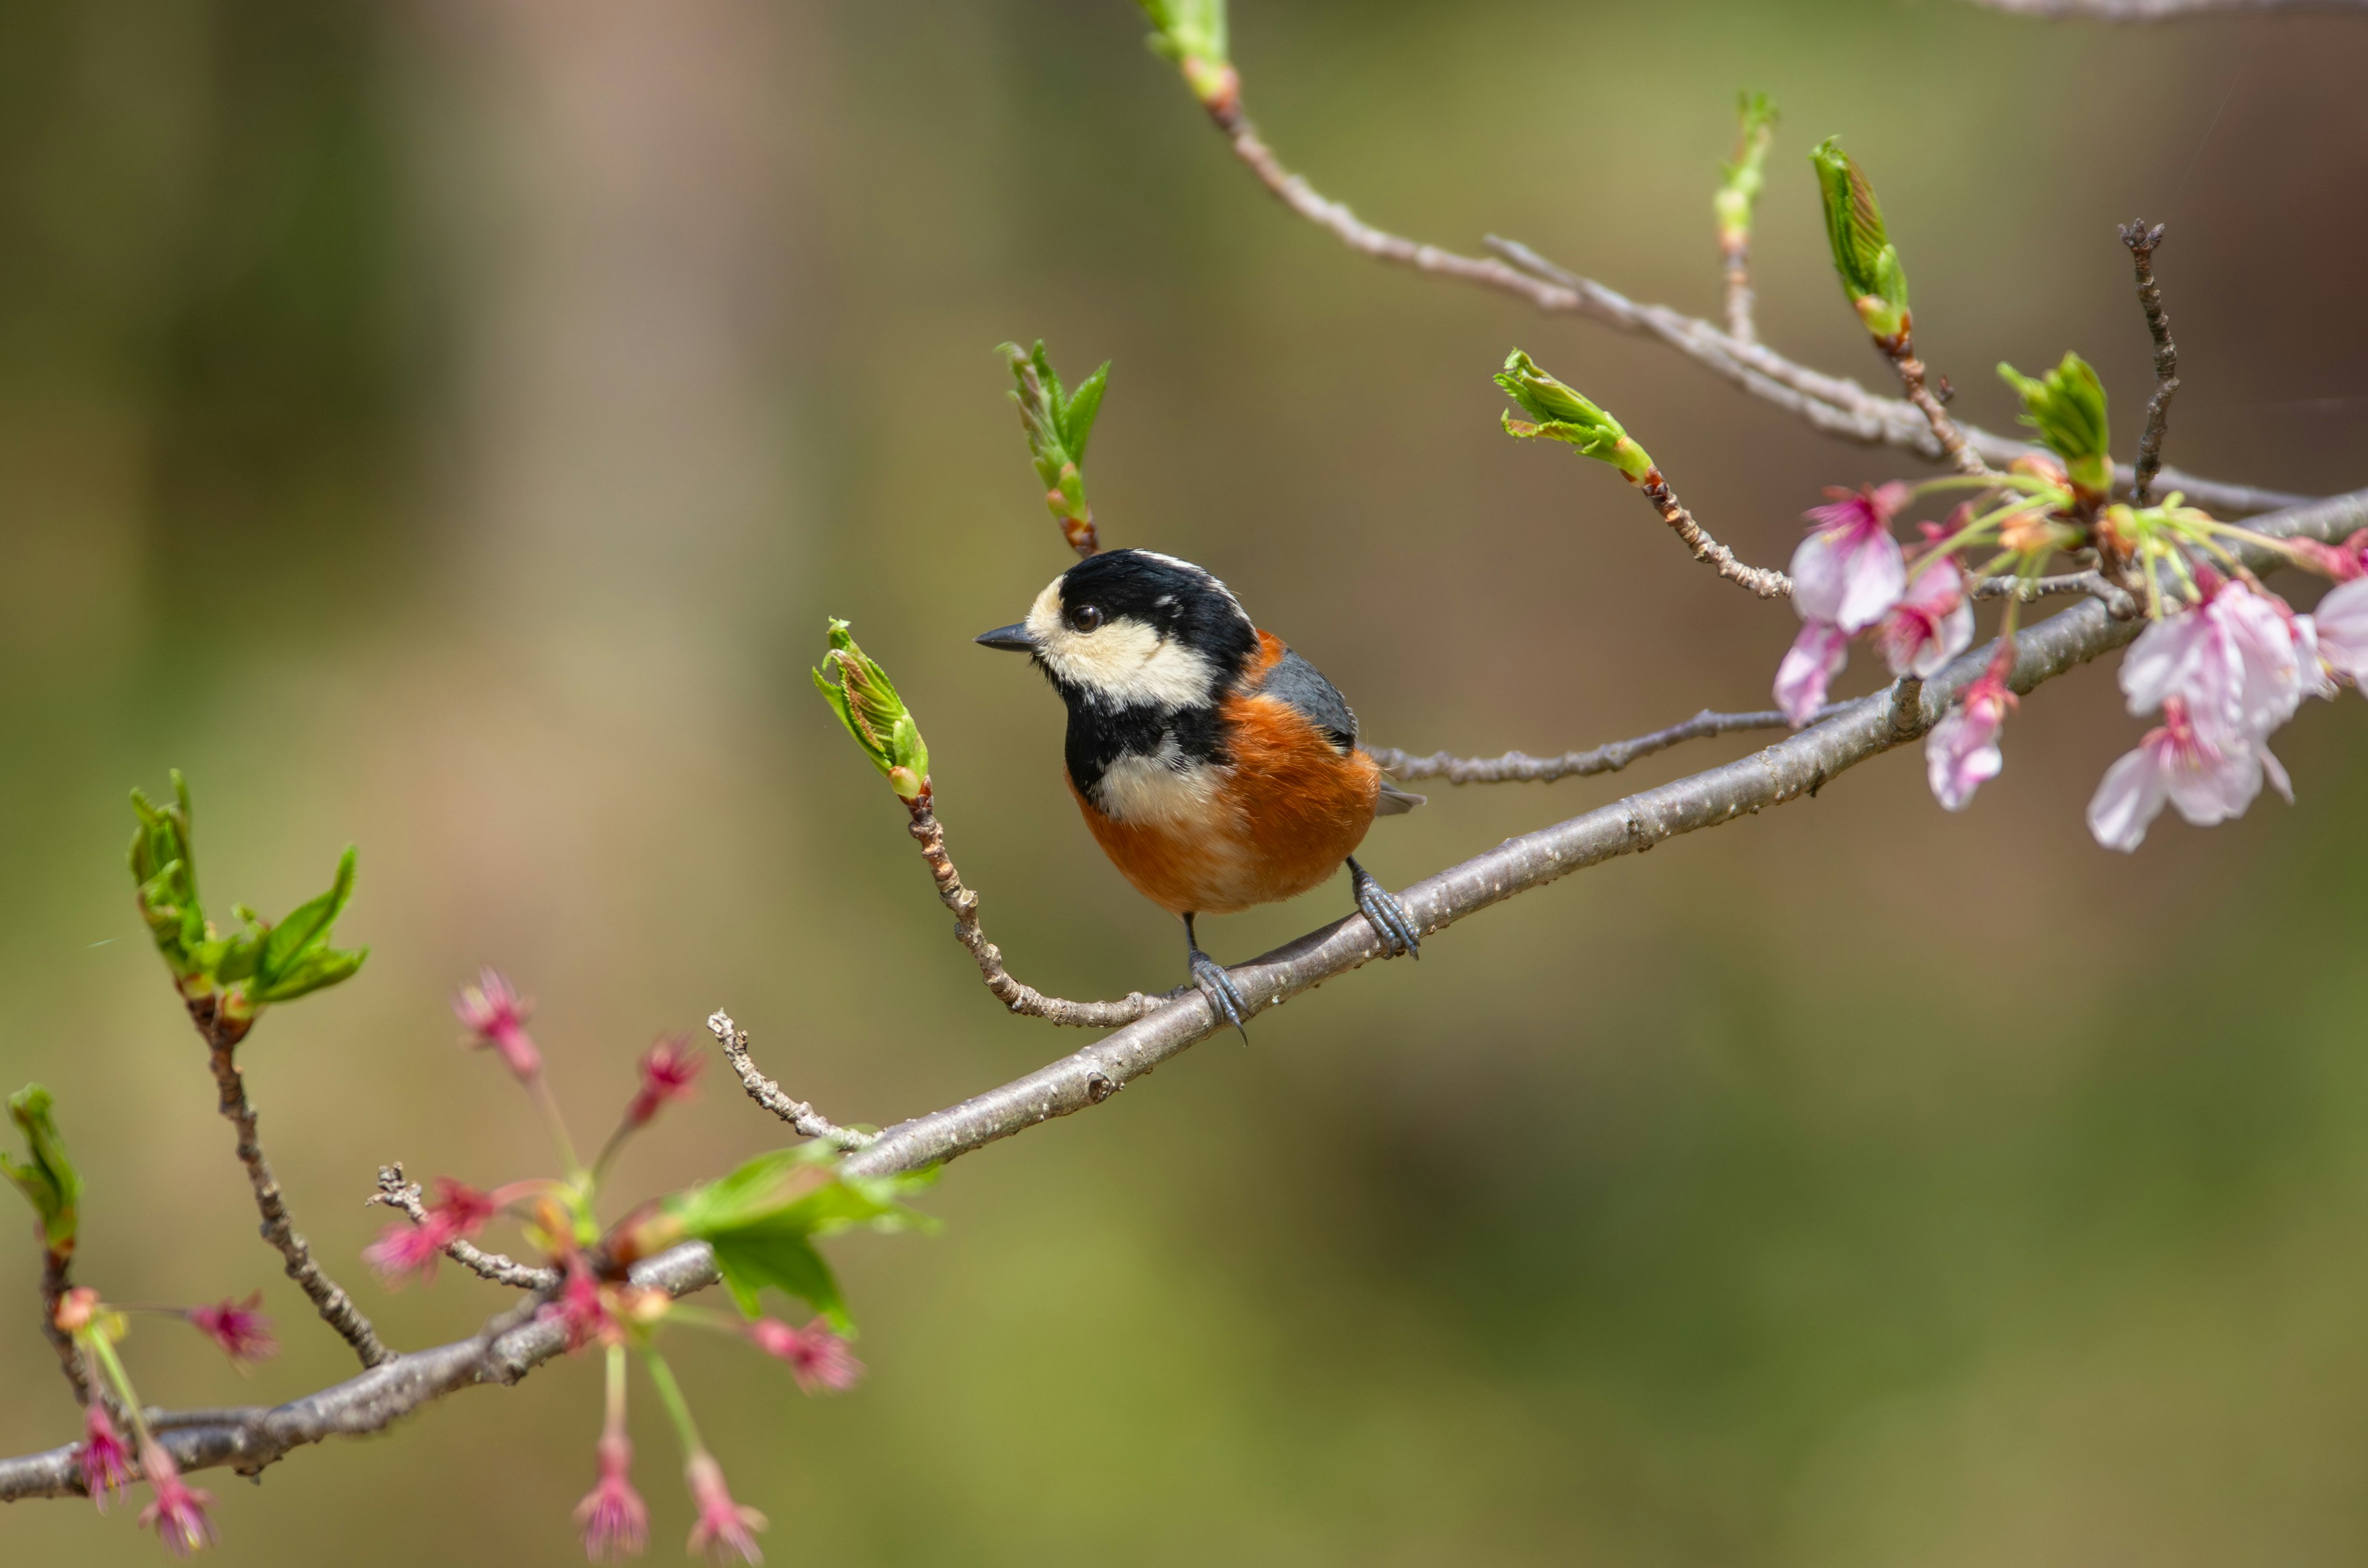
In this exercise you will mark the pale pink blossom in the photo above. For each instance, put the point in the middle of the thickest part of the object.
(615, 1520)
(1961, 754)
(2240, 663)
(106, 1462)
(1849, 570)
(243, 1334)
(1931, 624)
(495, 1013)
(2342, 626)
(819, 1360)
(724, 1527)
(178, 1513)
(1808, 668)
(2209, 780)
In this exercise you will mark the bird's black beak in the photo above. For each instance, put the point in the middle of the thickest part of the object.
(1010, 638)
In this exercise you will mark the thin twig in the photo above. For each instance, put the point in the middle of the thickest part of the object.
(2143, 243)
(807, 1121)
(57, 1279)
(1835, 404)
(396, 1192)
(336, 1308)
(1766, 582)
(1735, 254)
(2031, 589)
(1012, 992)
(2160, 10)
(1520, 768)
(1789, 770)
(1959, 452)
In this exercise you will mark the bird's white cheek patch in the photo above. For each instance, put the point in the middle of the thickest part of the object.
(1125, 662)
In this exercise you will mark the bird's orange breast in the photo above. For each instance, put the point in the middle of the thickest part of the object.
(1273, 823)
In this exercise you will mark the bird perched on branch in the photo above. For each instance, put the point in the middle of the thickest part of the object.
(1217, 769)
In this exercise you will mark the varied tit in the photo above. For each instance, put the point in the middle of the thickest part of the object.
(1216, 767)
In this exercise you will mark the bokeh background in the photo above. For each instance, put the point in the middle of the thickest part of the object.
(444, 426)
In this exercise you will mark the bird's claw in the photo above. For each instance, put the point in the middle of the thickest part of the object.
(1389, 917)
(1218, 987)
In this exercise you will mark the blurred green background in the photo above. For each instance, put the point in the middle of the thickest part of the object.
(445, 426)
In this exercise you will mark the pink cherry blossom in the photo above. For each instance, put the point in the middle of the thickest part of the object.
(2344, 562)
(819, 1360)
(615, 1520)
(1850, 569)
(2240, 663)
(723, 1526)
(106, 1462)
(1931, 624)
(1961, 753)
(667, 1071)
(1808, 668)
(2341, 623)
(2209, 780)
(243, 1334)
(496, 1015)
(178, 1513)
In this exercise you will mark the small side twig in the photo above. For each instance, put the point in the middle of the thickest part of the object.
(1015, 995)
(1914, 380)
(57, 1279)
(398, 1193)
(336, 1308)
(1520, 768)
(1768, 583)
(2031, 589)
(807, 1121)
(2142, 241)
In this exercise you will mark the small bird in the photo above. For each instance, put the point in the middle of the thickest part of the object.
(1217, 769)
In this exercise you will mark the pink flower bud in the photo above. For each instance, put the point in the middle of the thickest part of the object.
(179, 1511)
(724, 1527)
(668, 1068)
(243, 1334)
(106, 1462)
(1961, 753)
(586, 1309)
(496, 1015)
(1808, 668)
(819, 1360)
(76, 1308)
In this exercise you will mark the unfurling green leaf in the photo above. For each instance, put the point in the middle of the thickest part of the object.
(1742, 179)
(1192, 34)
(1059, 423)
(1563, 415)
(762, 1221)
(1863, 254)
(866, 703)
(48, 1180)
(2067, 407)
(254, 964)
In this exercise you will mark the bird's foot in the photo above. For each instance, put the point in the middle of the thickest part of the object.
(1218, 987)
(1389, 917)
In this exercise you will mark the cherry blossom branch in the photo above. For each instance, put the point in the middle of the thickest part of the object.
(2143, 243)
(2160, 10)
(328, 1299)
(512, 1345)
(397, 1193)
(2030, 590)
(807, 1121)
(1019, 997)
(1520, 768)
(1901, 352)
(1766, 582)
(1836, 405)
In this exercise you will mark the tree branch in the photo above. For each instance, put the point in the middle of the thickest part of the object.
(1761, 580)
(2160, 10)
(807, 1121)
(2143, 243)
(1019, 997)
(57, 1279)
(507, 1348)
(336, 1308)
(397, 1193)
(2030, 590)
(1945, 430)
(1520, 768)
(1837, 405)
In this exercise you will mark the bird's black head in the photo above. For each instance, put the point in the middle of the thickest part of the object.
(1131, 628)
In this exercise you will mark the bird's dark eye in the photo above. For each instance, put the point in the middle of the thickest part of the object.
(1083, 618)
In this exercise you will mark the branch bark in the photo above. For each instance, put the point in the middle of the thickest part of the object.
(1834, 405)
(1520, 768)
(2160, 10)
(806, 1122)
(507, 1348)
(2142, 241)
(1763, 581)
(396, 1192)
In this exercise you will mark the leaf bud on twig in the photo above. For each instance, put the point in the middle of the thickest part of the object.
(1741, 181)
(866, 703)
(1059, 423)
(1561, 413)
(1863, 254)
(48, 1180)
(1192, 34)
(2067, 407)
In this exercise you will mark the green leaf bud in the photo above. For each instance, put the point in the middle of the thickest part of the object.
(165, 873)
(1192, 34)
(2067, 407)
(1863, 255)
(1059, 423)
(866, 703)
(49, 1180)
(1563, 415)
(1742, 179)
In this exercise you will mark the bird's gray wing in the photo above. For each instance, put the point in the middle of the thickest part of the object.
(1302, 685)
